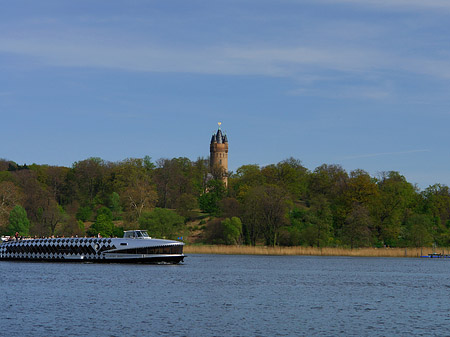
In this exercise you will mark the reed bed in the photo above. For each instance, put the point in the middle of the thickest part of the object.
(313, 251)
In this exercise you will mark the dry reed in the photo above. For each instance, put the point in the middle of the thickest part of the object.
(314, 251)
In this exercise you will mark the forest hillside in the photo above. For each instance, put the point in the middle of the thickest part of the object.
(279, 204)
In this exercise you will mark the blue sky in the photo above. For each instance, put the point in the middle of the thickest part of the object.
(364, 84)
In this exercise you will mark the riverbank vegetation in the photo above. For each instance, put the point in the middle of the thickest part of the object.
(314, 251)
(278, 205)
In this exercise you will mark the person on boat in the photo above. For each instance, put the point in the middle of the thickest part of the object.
(17, 236)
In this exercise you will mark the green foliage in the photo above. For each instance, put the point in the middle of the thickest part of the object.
(18, 221)
(396, 197)
(225, 232)
(80, 226)
(148, 164)
(246, 177)
(332, 206)
(115, 206)
(232, 231)
(162, 222)
(265, 212)
(209, 201)
(290, 174)
(186, 205)
(6, 176)
(84, 213)
(418, 231)
(103, 225)
(106, 212)
(173, 179)
(356, 231)
(312, 226)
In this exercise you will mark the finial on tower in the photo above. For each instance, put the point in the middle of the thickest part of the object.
(220, 123)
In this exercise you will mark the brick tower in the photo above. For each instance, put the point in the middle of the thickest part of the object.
(219, 155)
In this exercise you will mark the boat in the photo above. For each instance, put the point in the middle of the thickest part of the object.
(436, 256)
(136, 246)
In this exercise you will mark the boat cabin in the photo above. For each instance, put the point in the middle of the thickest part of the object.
(136, 234)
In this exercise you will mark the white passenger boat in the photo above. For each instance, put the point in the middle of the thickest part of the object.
(136, 246)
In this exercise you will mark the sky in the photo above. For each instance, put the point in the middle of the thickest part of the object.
(360, 83)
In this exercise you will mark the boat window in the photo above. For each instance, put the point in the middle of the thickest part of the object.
(128, 234)
(136, 234)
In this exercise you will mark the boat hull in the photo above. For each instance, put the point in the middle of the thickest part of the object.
(94, 250)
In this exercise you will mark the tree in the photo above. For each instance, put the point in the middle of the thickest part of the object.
(84, 213)
(360, 192)
(246, 177)
(224, 231)
(436, 202)
(265, 212)
(89, 178)
(418, 230)
(320, 220)
(18, 221)
(209, 201)
(162, 222)
(139, 197)
(361, 189)
(186, 204)
(49, 215)
(331, 182)
(54, 178)
(10, 196)
(396, 196)
(230, 207)
(106, 212)
(148, 164)
(328, 180)
(103, 225)
(290, 174)
(232, 231)
(114, 205)
(356, 231)
(42, 210)
(172, 179)
(199, 175)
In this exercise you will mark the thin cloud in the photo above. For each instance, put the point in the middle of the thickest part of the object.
(404, 4)
(294, 61)
(346, 92)
(371, 155)
(286, 62)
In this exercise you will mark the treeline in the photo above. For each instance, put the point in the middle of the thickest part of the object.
(278, 204)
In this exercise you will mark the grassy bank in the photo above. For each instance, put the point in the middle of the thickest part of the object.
(263, 250)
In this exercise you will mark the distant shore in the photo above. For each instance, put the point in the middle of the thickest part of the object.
(312, 251)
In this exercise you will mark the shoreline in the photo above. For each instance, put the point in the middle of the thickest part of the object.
(312, 251)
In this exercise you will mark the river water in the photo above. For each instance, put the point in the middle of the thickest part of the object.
(222, 295)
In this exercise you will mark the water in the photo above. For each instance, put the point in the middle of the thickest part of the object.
(214, 295)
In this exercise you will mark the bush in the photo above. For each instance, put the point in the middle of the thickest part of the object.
(162, 222)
